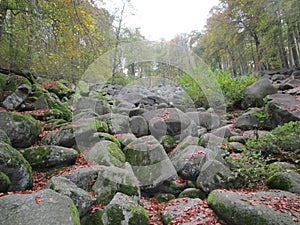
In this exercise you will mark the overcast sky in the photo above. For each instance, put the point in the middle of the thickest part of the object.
(163, 19)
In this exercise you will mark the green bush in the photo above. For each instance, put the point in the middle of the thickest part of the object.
(283, 142)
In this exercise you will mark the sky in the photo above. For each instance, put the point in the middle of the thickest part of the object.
(163, 19)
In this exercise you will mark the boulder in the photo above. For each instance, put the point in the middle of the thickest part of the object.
(16, 90)
(45, 207)
(118, 123)
(64, 137)
(287, 181)
(47, 157)
(249, 120)
(98, 106)
(254, 94)
(111, 180)
(149, 161)
(189, 140)
(57, 110)
(124, 210)
(189, 161)
(213, 175)
(252, 208)
(22, 130)
(188, 211)
(106, 153)
(139, 126)
(15, 168)
(125, 139)
(192, 193)
(282, 108)
(205, 119)
(82, 199)
(169, 121)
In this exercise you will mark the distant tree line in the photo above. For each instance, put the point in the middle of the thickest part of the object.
(246, 36)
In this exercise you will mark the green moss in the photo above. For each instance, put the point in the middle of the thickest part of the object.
(94, 218)
(109, 137)
(115, 216)
(4, 182)
(279, 181)
(232, 214)
(37, 156)
(75, 214)
(116, 153)
(140, 216)
(128, 189)
(3, 79)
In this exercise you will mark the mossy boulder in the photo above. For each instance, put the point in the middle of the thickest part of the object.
(149, 161)
(56, 109)
(3, 79)
(16, 168)
(58, 88)
(42, 207)
(106, 153)
(111, 180)
(22, 130)
(15, 91)
(50, 156)
(124, 210)
(82, 199)
(192, 193)
(64, 137)
(252, 208)
(287, 181)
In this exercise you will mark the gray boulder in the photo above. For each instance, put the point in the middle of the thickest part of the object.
(254, 208)
(255, 93)
(282, 108)
(189, 161)
(189, 140)
(50, 156)
(17, 89)
(15, 169)
(118, 123)
(91, 104)
(205, 119)
(22, 130)
(82, 199)
(169, 121)
(149, 161)
(64, 137)
(213, 175)
(187, 211)
(139, 126)
(287, 181)
(124, 210)
(45, 207)
(249, 120)
(106, 153)
(111, 180)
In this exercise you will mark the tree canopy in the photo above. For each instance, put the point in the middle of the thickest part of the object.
(251, 35)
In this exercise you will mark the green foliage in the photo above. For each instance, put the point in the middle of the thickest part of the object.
(233, 88)
(249, 170)
(283, 141)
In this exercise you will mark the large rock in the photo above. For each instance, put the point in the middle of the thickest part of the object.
(63, 137)
(205, 119)
(16, 90)
(50, 156)
(282, 108)
(22, 130)
(149, 161)
(252, 208)
(287, 181)
(82, 199)
(213, 175)
(139, 126)
(111, 180)
(45, 207)
(249, 120)
(15, 168)
(169, 121)
(106, 153)
(124, 210)
(254, 94)
(188, 211)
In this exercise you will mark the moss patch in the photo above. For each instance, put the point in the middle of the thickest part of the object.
(37, 156)
(279, 181)
(75, 214)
